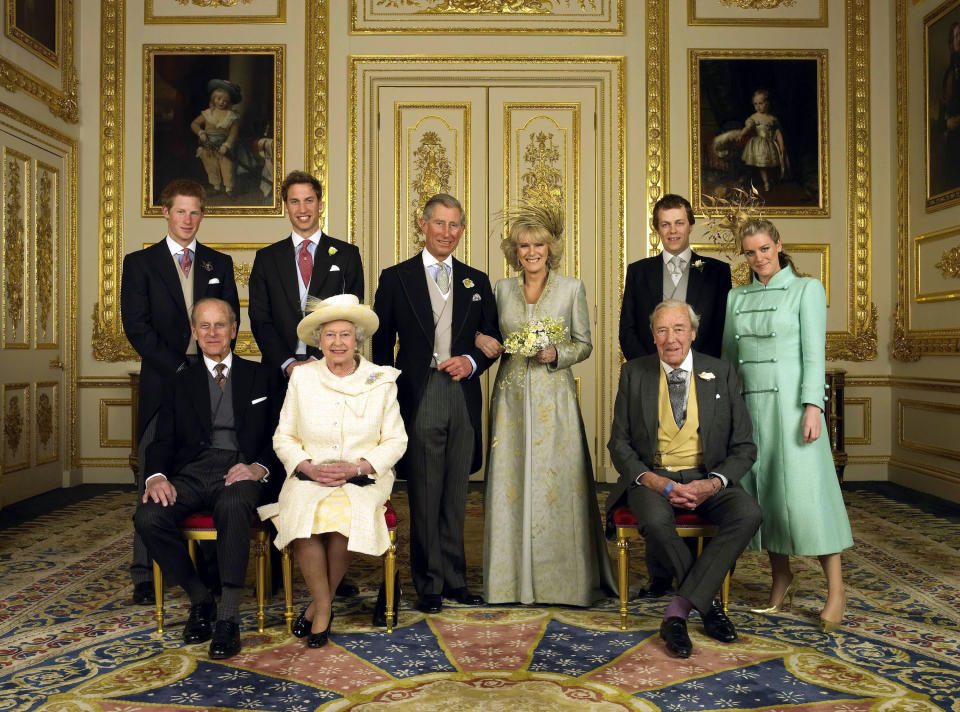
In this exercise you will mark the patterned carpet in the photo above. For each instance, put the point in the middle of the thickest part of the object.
(70, 641)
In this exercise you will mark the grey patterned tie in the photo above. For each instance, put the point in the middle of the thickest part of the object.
(676, 382)
(442, 277)
(676, 264)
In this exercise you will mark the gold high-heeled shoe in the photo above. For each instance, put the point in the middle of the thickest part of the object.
(785, 601)
(829, 626)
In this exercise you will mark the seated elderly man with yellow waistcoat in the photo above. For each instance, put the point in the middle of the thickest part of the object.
(681, 439)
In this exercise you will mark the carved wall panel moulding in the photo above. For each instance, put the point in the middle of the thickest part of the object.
(204, 12)
(16, 178)
(16, 427)
(936, 263)
(657, 117)
(485, 16)
(109, 342)
(859, 342)
(46, 422)
(758, 13)
(62, 101)
(45, 236)
(66, 146)
(910, 344)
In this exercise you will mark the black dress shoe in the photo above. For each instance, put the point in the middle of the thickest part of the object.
(318, 640)
(226, 640)
(197, 628)
(657, 587)
(463, 596)
(430, 603)
(347, 588)
(143, 593)
(717, 625)
(674, 633)
(301, 626)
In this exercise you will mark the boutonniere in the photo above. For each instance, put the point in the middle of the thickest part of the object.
(476, 297)
(332, 251)
(699, 265)
(372, 378)
(706, 375)
(208, 266)
(468, 283)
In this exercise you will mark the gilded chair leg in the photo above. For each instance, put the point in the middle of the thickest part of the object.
(389, 569)
(287, 565)
(623, 564)
(261, 545)
(158, 595)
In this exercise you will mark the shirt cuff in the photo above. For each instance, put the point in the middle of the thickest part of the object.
(473, 365)
(723, 480)
(155, 474)
(266, 471)
(283, 366)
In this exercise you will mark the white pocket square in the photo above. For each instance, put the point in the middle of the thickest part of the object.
(263, 398)
(215, 280)
(718, 396)
(334, 268)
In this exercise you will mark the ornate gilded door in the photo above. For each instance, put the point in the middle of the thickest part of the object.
(33, 346)
(490, 147)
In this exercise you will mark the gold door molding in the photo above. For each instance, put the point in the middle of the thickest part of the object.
(910, 341)
(758, 13)
(57, 301)
(371, 81)
(535, 17)
(109, 342)
(205, 12)
(63, 101)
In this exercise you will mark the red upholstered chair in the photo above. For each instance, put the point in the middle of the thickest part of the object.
(389, 572)
(689, 524)
(199, 527)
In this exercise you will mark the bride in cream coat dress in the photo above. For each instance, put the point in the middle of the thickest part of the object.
(543, 539)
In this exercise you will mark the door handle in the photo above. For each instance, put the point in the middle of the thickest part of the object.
(56, 363)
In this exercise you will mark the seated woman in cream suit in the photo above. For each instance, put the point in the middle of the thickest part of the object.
(340, 434)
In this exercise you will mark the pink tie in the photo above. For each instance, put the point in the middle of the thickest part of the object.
(305, 262)
(185, 262)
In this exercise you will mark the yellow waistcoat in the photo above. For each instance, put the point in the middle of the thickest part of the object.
(679, 447)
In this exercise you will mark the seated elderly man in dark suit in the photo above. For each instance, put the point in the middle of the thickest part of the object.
(213, 451)
(681, 438)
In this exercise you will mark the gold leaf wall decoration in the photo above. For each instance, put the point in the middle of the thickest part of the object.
(433, 174)
(543, 183)
(44, 418)
(949, 263)
(44, 255)
(13, 245)
(13, 424)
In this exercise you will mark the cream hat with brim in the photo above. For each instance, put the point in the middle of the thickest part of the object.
(344, 307)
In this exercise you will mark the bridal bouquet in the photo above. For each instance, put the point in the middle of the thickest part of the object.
(536, 335)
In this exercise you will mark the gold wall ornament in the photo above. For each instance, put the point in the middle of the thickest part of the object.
(44, 254)
(949, 263)
(241, 273)
(657, 118)
(13, 424)
(543, 181)
(214, 3)
(13, 240)
(317, 42)
(486, 7)
(64, 101)
(758, 4)
(44, 419)
(904, 348)
(432, 174)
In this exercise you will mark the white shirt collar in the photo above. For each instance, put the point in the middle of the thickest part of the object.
(687, 364)
(685, 255)
(210, 363)
(429, 260)
(314, 238)
(175, 248)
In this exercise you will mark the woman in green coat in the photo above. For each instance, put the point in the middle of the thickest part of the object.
(543, 539)
(775, 334)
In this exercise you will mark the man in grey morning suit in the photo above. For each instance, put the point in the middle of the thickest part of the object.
(434, 305)
(681, 438)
